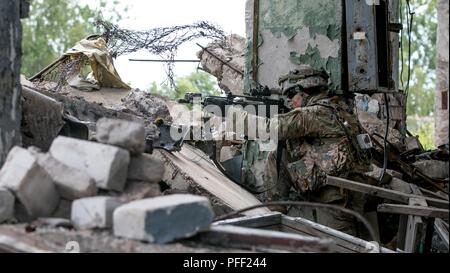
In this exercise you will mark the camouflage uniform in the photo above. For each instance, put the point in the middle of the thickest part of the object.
(320, 140)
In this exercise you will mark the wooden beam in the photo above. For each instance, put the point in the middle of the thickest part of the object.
(416, 227)
(439, 194)
(414, 210)
(344, 241)
(263, 240)
(382, 192)
(192, 169)
(254, 221)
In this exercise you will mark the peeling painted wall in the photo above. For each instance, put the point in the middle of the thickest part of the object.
(293, 32)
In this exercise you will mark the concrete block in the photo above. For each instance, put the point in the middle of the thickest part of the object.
(146, 167)
(30, 183)
(6, 205)
(140, 190)
(400, 185)
(433, 168)
(108, 165)
(125, 134)
(377, 172)
(63, 210)
(395, 174)
(71, 183)
(163, 219)
(93, 212)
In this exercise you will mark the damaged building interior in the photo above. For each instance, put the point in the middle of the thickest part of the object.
(91, 164)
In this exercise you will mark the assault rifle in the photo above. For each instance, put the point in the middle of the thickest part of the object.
(259, 98)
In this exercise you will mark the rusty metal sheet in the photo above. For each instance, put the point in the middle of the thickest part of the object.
(361, 46)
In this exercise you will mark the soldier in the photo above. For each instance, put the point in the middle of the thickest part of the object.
(320, 139)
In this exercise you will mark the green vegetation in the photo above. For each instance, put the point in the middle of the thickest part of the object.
(56, 25)
(421, 92)
(197, 82)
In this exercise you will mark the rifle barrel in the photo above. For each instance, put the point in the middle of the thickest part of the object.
(164, 61)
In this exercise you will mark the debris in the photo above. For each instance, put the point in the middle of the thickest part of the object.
(70, 182)
(433, 168)
(413, 143)
(342, 242)
(226, 63)
(93, 212)
(376, 174)
(382, 192)
(414, 210)
(6, 205)
(30, 183)
(367, 104)
(395, 174)
(190, 170)
(265, 240)
(400, 185)
(146, 105)
(146, 167)
(53, 222)
(376, 128)
(63, 210)
(163, 219)
(108, 165)
(125, 134)
(139, 190)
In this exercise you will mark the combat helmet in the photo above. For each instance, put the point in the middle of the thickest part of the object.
(304, 79)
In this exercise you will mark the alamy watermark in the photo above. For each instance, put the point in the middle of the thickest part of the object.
(230, 123)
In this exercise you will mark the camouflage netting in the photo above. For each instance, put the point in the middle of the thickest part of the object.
(161, 41)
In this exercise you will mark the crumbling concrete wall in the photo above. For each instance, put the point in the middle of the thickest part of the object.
(295, 32)
(229, 70)
(10, 91)
(442, 100)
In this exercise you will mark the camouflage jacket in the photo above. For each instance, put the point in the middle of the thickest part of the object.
(320, 141)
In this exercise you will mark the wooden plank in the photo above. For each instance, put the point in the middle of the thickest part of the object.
(415, 224)
(337, 248)
(342, 246)
(235, 236)
(254, 221)
(277, 221)
(439, 194)
(342, 239)
(192, 167)
(442, 230)
(416, 227)
(414, 210)
(273, 221)
(382, 192)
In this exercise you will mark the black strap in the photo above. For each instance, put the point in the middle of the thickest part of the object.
(280, 147)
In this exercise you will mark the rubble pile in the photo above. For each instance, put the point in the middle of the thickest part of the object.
(146, 105)
(110, 185)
